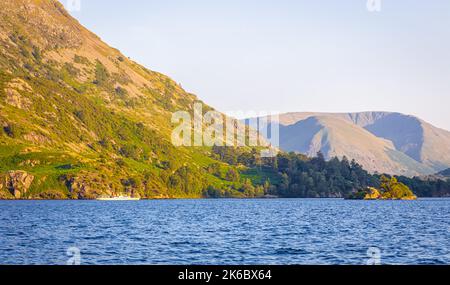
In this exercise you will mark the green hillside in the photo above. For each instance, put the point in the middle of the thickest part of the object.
(82, 120)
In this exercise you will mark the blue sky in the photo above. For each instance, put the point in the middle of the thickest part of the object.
(290, 55)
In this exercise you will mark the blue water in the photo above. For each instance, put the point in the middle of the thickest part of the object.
(291, 231)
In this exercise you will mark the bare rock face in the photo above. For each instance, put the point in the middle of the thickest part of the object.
(87, 187)
(78, 188)
(46, 20)
(3, 193)
(13, 91)
(15, 99)
(18, 183)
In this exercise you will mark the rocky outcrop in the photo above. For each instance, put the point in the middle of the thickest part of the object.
(15, 99)
(87, 187)
(17, 183)
(13, 94)
(4, 193)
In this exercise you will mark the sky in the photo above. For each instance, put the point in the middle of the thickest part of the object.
(289, 55)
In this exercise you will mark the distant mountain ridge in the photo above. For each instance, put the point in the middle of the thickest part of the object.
(385, 142)
(445, 173)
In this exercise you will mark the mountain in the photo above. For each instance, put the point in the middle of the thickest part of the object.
(440, 176)
(382, 142)
(445, 173)
(78, 119)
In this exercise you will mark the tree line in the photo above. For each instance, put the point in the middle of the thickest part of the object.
(294, 175)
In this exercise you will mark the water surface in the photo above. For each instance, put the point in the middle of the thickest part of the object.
(284, 231)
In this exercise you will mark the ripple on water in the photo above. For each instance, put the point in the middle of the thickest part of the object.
(291, 231)
(290, 251)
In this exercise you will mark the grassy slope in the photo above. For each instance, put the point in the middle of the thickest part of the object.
(71, 108)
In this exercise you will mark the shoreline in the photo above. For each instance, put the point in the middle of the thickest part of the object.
(189, 199)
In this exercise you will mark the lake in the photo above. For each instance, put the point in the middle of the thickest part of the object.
(228, 231)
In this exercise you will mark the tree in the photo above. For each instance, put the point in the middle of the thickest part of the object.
(319, 161)
(101, 74)
(392, 189)
(121, 92)
(284, 186)
(248, 189)
(37, 54)
(14, 131)
(275, 163)
(266, 187)
(131, 151)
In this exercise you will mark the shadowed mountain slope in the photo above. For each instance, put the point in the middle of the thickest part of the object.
(381, 141)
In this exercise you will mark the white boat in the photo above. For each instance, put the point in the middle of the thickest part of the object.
(119, 198)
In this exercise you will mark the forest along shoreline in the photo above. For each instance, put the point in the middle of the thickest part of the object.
(288, 175)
